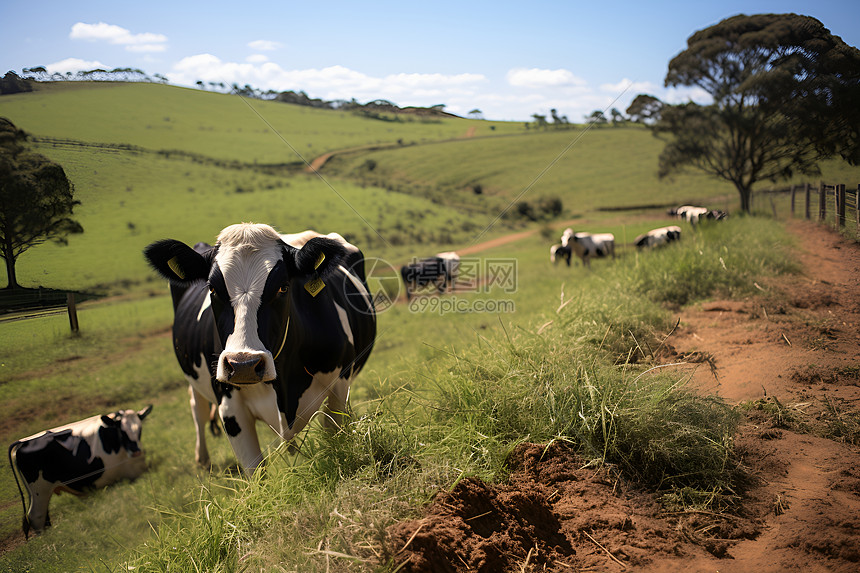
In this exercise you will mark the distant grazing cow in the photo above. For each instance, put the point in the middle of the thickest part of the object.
(268, 327)
(658, 237)
(440, 271)
(87, 454)
(694, 215)
(452, 267)
(557, 252)
(565, 236)
(586, 246)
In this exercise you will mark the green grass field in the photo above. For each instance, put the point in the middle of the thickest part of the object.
(224, 127)
(422, 403)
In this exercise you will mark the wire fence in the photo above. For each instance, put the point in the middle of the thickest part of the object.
(835, 205)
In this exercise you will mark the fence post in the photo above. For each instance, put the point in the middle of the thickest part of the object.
(857, 209)
(822, 201)
(73, 311)
(792, 200)
(807, 213)
(840, 205)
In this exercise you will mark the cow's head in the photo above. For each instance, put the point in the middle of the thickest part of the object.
(122, 430)
(250, 274)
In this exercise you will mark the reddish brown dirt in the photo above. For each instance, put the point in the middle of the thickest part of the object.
(793, 349)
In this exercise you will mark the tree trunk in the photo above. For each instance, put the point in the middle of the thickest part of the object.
(746, 196)
(10, 268)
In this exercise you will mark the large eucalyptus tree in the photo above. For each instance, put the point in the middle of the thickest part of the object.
(36, 199)
(786, 94)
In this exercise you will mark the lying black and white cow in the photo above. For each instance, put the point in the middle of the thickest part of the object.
(559, 251)
(440, 271)
(87, 454)
(268, 327)
(587, 245)
(658, 237)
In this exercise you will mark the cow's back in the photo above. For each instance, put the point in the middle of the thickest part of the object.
(58, 457)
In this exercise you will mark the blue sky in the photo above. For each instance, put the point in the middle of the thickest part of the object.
(507, 59)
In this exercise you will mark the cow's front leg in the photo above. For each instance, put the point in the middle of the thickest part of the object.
(241, 430)
(336, 405)
(200, 413)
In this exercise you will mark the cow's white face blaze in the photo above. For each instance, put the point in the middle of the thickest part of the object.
(246, 257)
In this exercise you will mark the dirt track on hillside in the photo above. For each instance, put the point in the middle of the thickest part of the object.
(794, 347)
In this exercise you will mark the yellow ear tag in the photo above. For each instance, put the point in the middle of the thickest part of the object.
(314, 286)
(319, 261)
(174, 266)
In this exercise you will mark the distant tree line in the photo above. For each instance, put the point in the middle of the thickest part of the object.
(597, 118)
(377, 109)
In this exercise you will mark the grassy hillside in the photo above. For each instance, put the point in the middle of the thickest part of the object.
(388, 201)
(227, 127)
(586, 168)
(129, 200)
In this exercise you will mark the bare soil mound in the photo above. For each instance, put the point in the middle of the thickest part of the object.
(792, 356)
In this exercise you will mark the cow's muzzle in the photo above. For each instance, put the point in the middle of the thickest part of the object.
(245, 367)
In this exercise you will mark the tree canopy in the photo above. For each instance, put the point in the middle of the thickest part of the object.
(645, 109)
(785, 93)
(36, 199)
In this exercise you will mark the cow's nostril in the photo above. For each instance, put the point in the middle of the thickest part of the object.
(260, 369)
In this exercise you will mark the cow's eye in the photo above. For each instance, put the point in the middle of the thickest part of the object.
(212, 290)
(284, 289)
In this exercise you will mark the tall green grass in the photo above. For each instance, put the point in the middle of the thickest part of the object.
(715, 259)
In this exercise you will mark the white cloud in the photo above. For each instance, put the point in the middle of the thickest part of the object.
(74, 65)
(535, 91)
(101, 32)
(685, 94)
(538, 78)
(330, 83)
(626, 87)
(264, 45)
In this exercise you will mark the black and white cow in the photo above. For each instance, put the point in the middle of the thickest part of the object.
(559, 251)
(440, 271)
(566, 236)
(268, 327)
(587, 245)
(87, 454)
(658, 237)
(695, 215)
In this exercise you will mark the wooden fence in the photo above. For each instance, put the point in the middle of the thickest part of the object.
(835, 205)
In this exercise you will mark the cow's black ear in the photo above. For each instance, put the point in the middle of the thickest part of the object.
(316, 255)
(176, 261)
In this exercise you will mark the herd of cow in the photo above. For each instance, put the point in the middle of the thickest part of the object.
(267, 327)
(588, 245)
